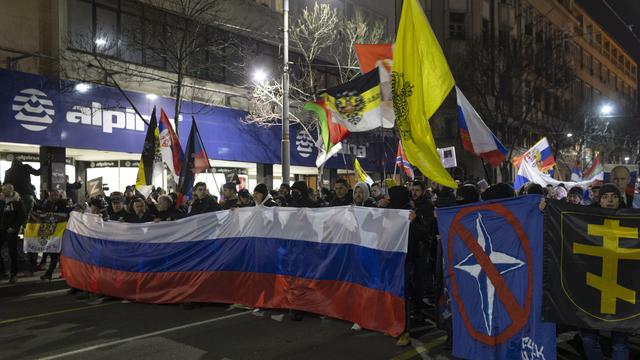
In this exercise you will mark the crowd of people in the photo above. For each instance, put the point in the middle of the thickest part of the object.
(423, 268)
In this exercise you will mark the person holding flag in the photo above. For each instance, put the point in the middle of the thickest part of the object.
(170, 148)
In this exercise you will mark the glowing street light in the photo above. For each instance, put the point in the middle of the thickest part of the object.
(152, 96)
(259, 76)
(82, 87)
(569, 135)
(101, 41)
(626, 158)
(606, 109)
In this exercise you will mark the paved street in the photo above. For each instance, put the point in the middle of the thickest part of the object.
(42, 321)
(52, 324)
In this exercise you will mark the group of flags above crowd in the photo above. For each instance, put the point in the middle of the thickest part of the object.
(162, 145)
(402, 85)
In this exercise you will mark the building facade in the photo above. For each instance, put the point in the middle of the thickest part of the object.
(583, 67)
(76, 55)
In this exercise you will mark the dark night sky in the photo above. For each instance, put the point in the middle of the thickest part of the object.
(628, 10)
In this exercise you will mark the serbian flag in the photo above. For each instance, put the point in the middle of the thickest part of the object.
(258, 257)
(403, 163)
(195, 161)
(476, 136)
(538, 156)
(576, 172)
(595, 170)
(371, 56)
(170, 148)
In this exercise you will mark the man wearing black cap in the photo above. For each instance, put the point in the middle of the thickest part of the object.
(244, 198)
(117, 211)
(230, 196)
(262, 197)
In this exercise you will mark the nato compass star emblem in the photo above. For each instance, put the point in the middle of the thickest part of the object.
(503, 263)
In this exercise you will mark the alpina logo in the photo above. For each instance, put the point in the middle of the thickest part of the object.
(304, 143)
(34, 109)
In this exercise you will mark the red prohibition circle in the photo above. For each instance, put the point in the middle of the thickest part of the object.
(519, 314)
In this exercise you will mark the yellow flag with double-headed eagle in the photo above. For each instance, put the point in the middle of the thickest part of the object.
(421, 82)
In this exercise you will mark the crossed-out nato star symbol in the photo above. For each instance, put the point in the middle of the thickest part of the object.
(503, 263)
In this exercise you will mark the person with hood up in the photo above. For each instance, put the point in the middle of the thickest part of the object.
(262, 197)
(399, 198)
(11, 219)
(361, 195)
(300, 197)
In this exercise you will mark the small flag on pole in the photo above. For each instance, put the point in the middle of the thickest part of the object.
(151, 159)
(403, 163)
(195, 161)
(170, 148)
(361, 174)
(476, 136)
(331, 134)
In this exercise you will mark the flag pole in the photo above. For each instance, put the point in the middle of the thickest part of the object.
(486, 172)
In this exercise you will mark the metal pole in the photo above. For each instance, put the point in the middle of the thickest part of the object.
(285, 149)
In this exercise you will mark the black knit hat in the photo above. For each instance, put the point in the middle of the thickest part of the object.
(230, 186)
(609, 188)
(244, 193)
(262, 189)
(576, 190)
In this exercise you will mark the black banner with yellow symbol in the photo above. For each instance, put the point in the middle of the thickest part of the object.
(592, 267)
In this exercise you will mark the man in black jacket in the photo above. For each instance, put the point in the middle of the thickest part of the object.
(19, 175)
(138, 212)
(166, 211)
(203, 202)
(11, 218)
(72, 188)
(342, 197)
(230, 194)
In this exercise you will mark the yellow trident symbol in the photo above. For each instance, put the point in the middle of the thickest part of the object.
(610, 253)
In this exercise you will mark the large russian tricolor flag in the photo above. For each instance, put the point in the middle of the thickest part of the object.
(476, 136)
(343, 262)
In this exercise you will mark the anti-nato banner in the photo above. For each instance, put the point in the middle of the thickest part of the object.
(344, 262)
(493, 271)
(592, 267)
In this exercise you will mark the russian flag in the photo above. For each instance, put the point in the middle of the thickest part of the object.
(476, 136)
(343, 262)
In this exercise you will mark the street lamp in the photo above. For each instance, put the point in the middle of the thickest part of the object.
(152, 96)
(101, 42)
(259, 76)
(606, 109)
(569, 135)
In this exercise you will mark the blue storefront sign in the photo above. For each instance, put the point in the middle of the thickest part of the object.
(51, 112)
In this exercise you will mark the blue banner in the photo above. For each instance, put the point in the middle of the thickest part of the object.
(53, 112)
(493, 270)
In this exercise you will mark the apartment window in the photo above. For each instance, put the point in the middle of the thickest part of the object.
(598, 41)
(588, 34)
(606, 48)
(614, 55)
(275, 5)
(456, 26)
(590, 64)
(586, 59)
(597, 72)
(621, 62)
(627, 67)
